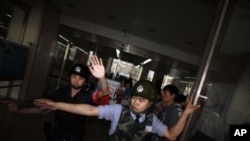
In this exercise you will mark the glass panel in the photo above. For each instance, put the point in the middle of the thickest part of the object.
(150, 75)
(136, 73)
(12, 20)
(6, 10)
(227, 82)
(131, 64)
(121, 68)
(62, 63)
(13, 57)
(67, 52)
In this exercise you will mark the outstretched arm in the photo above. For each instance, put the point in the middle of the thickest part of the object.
(173, 132)
(14, 107)
(98, 71)
(81, 109)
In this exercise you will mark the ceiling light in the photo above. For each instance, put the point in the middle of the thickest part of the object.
(146, 61)
(3, 27)
(118, 53)
(65, 39)
(8, 15)
(60, 43)
(81, 49)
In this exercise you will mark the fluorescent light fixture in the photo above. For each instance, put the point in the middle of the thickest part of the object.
(146, 61)
(82, 50)
(60, 43)
(118, 53)
(65, 39)
(8, 15)
(3, 27)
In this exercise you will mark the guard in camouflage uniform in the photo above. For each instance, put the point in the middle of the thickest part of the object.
(128, 123)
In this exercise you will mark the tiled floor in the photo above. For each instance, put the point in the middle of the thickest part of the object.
(16, 127)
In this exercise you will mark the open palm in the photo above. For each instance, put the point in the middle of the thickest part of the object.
(97, 69)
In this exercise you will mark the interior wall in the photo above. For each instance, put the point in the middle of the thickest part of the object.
(16, 26)
(14, 31)
(45, 47)
(30, 38)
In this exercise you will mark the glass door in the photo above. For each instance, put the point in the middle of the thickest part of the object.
(65, 55)
(224, 94)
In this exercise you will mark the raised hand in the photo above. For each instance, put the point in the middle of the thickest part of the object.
(190, 108)
(96, 68)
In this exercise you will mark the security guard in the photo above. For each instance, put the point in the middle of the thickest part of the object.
(68, 126)
(131, 123)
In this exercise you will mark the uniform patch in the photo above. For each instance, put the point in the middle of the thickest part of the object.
(78, 69)
(148, 129)
(140, 88)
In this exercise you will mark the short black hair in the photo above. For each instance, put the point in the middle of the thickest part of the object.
(172, 89)
(180, 98)
(129, 81)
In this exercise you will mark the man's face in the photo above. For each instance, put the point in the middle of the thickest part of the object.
(167, 97)
(139, 104)
(127, 85)
(76, 81)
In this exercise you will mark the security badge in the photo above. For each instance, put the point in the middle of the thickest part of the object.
(140, 88)
(78, 69)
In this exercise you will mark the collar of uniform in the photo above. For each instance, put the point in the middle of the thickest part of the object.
(141, 119)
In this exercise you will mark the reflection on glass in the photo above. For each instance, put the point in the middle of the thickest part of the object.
(150, 75)
(227, 81)
(121, 68)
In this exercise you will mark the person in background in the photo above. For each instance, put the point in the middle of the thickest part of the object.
(120, 91)
(133, 122)
(128, 84)
(158, 84)
(68, 126)
(91, 86)
(166, 109)
(180, 102)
